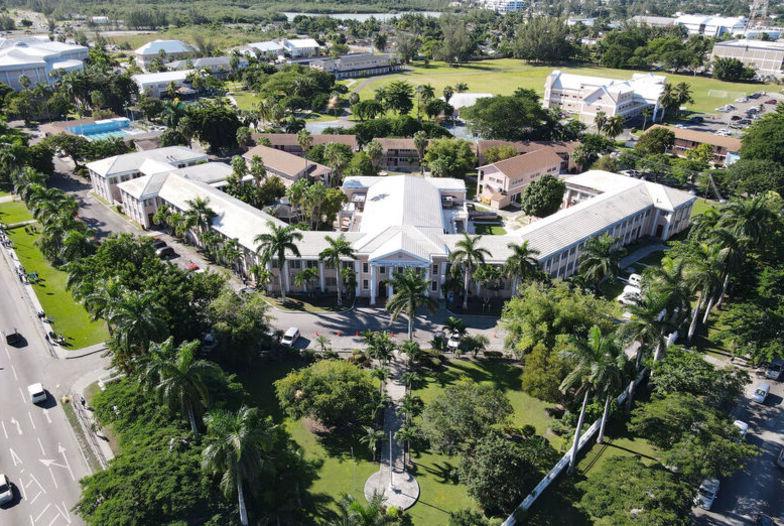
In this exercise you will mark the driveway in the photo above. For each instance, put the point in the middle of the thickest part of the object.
(760, 487)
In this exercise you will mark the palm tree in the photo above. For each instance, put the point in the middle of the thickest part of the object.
(199, 213)
(371, 438)
(668, 280)
(304, 277)
(682, 95)
(704, 270)
(338, 248)
(667, 99)
(600, 121)
(600, 259)
(522, 264)
(305, 141)
(137, 319)
(647, 112)
(407, 433)
(375, 152)
(410, 293)
(257, 170)
(76, 244)
(274, 244)
(614, 126)
(379, 344)
(469, 255)
(420, 143)
(749, 219)
(179, 378)
(238, 446)
(461, 87)
(412, 350)
(323, 343)
(352, 512)
(598, 364)
(455, 325)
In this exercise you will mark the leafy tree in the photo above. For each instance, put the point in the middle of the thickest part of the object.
(544, 370)
(213, 122)
(238, 446)
(460, 417)
(410, 294)
(274, 244)
(655, 141)
(543, 196)
(449, 157)
(764, 139)
(239, 323)
(516, 117)
(753, 177)
(367, 109)
(627, 492)
(469, 517)
(396, 96)
(457, 43)
(500, 152)
(336, 393)
(501, 471)
(732, 70)
(544, 39)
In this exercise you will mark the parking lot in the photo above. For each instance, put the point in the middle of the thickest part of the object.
(732, 119)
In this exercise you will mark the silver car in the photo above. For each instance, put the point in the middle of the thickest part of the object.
(707, 493)
(761, 393)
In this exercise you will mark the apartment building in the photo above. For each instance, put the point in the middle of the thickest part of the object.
(157, 84)
(564, 150)
(165, 50)
(357, 65)
(400, 155)
(712, 25)
(38, 59)
(585, 96)
(503, 182)
(287, 166)
(767, 58)
(725, 150)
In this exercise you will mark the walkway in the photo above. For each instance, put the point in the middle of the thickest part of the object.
(642, 253)
(399, 487)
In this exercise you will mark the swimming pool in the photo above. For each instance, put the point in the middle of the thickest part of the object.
(102, 129)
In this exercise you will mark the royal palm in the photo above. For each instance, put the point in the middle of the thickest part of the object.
(469, 255)
(410, 294)
(338, 249)
(274, 244)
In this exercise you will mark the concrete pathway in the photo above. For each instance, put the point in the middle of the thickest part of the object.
(642, 253)
(7, 198)
(400, 488)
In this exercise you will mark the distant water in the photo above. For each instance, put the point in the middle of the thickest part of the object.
(361, 17)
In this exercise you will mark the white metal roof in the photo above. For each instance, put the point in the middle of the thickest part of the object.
(402, 200)
(646, 85)
(752, 43)
(144, 79)
(167, 46)
(302, 43)
(131, 162)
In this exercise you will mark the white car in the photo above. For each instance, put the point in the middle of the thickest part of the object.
(635, 279)
(290, 337)
(743, 428)
(742, 100)
(775, 369)
(454, 341)
(37, 393)
(706, 495)
(761, 393)
(6, 493)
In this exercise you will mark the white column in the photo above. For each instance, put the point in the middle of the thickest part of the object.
(655, 221)
(442, 271)
(390, 273)
(372, 284)
(286, 275)
(322, 281)
(427, 277)
(358, 288)
(666, 231)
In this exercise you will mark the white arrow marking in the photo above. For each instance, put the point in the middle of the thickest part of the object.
(31, 419)
(48, 462)
(16, 423)
(15, 458)
(61, 449)
(4, 431)
(48, 418)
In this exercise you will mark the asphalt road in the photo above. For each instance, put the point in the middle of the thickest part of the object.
(38, 448)
(760, 487)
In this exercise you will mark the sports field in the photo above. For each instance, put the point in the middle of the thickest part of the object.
(504, 76)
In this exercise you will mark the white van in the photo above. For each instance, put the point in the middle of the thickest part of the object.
(290, 337)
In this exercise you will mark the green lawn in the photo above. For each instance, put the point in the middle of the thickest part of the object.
(489, 230)
(703, 205)
(14, 212)
(504, 76)
(69, 317)
(220, 36)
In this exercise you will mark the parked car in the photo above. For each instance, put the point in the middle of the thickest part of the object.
(742, 100)
(166, 253)
(706, 494)
(290, 337)
(635, 279)
(772, 102)
(698, 119)
(761, 393)
(454, 341)
(6, 493)
(37, 393)
(774, 369)
(736, 118)
(743, 428)
(12, 336)
(755, 95)
(158, 243)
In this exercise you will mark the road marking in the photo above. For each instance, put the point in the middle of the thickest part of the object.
(15, 457)
(13, 370)
(36, 498)
(64, 512)
(44, 511)
(31, 419)
(41, 445)
(48, 418)
(7, 353)
(37, 482)
(18, 426)
(61, 449)
(32, 522)
(21, 393)
(2, 423)
(51, 474)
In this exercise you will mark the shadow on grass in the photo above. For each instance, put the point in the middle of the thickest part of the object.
(501, 373)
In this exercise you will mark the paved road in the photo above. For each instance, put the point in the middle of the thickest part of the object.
(760, 487)
(38, 447)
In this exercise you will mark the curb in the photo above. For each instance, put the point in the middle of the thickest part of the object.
(72, 355)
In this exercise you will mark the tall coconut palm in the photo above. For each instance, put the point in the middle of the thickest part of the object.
(304, 277)
(749, 219)
(704, 271)
(600, 121)
(305, 141)
(339, 248)
(669, 281)
(257, 170)
(137, 319)
(76, 244)
(238, 446)
(469, 255)
(371, 439)
(683, 95)
(522, 264)
(199, 213)
(614, 126)
(274, 244)
(410, 294)
(596, 362)
(420, 143)
(647, 113)
(179, 379)
(668, 99)
(375, 152)
(600, 259)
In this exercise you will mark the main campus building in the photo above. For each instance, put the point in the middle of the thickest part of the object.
(396, 221)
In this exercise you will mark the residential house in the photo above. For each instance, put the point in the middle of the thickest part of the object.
(287, 166)
(726, 150)
(218, 66)
(503, 182)
(564, 150)
(157, 84)
(400, 154)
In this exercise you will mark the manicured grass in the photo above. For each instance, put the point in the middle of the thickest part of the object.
(703, 205)
(221, 36)
(504, 76)
(69, 318)
(490, 230)
(14, 212)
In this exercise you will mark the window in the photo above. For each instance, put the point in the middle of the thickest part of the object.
(365, 268)
(434, 286)
(435, 269)
(382, 270)
(365, 284)
(331, 282)
(294, 263)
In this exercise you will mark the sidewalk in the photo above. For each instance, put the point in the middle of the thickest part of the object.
(641, 253)
(100, 447)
